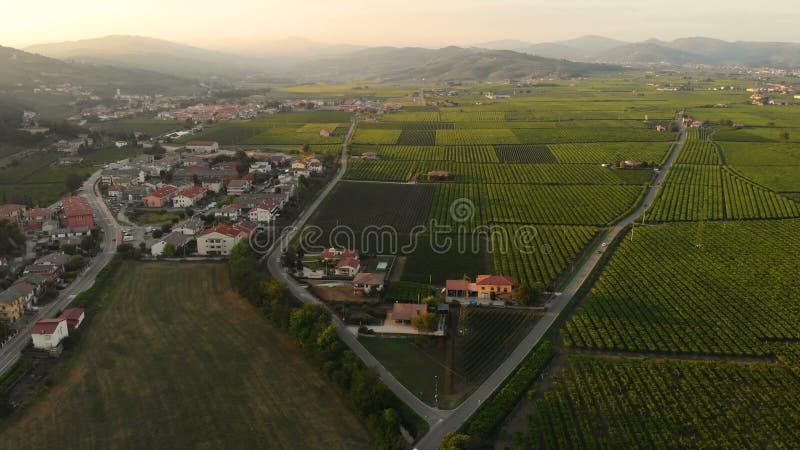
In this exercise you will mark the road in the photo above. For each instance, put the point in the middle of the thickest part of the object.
(442, 422)
(464, 411)
(9, 353)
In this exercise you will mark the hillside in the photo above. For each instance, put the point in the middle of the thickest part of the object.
(149, 54)
(23, 70)
(449, 63)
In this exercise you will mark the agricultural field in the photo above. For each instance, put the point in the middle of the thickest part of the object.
(279, 129)
(708, 288)
(159, 367)
(150, 127)
(610, 152)
(35, 180)
(776, 166)
(636, 403)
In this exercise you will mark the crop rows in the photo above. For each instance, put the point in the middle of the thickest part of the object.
(560, 174)
(365, 136)
(699, 288)
(486, 334)
(472, 137)
(564, 135)
(464, 153)
(538, 254)
(702, 192)
(610, 152)
(634, 403)
(534, 204)
(417, 137)
(524, 153)
(418, 126)
(698, 149)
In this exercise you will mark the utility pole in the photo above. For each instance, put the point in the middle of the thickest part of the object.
(436, 390)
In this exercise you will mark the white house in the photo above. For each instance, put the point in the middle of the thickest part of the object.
(238, 186)
(230, 212)
(188, 198)
(47, 334)
(314, 165)
(218, 241)
(265, 212)
(348, 267)
(202, 146)
(176, 238)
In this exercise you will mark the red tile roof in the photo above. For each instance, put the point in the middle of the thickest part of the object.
(227, 230)
(407, 311)
(165, 191)
(76, 206)
(457, 285)
(494, 280)
(10, 208)
(348, 262)
(193, 191)
(47, 326)
(369, 279)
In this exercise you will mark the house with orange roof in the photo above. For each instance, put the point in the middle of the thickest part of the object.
(188, 198)
(218, 241)
(160, 197)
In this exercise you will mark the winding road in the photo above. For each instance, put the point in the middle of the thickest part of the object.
(442, 422)
(10, 352)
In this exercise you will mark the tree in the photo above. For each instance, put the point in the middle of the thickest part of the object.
(12, 241)
(169, 250)
(75, 262)
(426, 321)
(784, 137)
(454, 441)
(73, 181)
(525, 295)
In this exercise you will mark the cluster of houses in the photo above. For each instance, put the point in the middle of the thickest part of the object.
(66, 223)
(31, 285)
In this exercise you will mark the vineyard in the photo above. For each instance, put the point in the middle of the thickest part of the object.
(404, 291)
(540, 253)
(698, 149)
(487, 336)
(472, 137)
(635, 403)
(525, 153)
(699, 288)
(610, 152)
(705, 192)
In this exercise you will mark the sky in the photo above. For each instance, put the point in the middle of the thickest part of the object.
(431, 23)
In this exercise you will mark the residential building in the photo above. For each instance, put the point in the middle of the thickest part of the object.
(338, 254)
(438, 175)
(236, 187)
(264, 212)
(403, 313)
(74, 317)
(202, 146)
(38, 215)
(188, 198)
(47, 334)
(494, 285)
(218, 241)
(191, 226)
(230, 212)
(12, 212)
(368, 282)
(78, 213)
(348, 267)
(160, 197)
(176, 238)
(15, 299)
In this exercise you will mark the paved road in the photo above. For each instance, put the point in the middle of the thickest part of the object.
(432, 415)
(463, 412)
(10, 352)
(443, 422)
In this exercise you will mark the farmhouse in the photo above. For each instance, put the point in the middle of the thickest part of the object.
(494, 285)
(47, 334)
(325, 133)
(402, 313)
(369, 155)
(188, 198)
(438, 175)
(202, 146)
(314, 165)
(78, 213)
(161, 197)
(218, 241)
(74, 317)
(460, 288)
(348, 267)
(368, 282)
(338, 254)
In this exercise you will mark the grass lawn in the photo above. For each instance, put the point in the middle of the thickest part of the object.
(178, 360)
(155, 218)
(412, 365)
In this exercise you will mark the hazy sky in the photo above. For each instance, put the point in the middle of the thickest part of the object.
(220, 24)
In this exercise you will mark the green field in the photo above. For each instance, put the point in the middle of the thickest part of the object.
(178, 360)
(150, 127)
(295, 128)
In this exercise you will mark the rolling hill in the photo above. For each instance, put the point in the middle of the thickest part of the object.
(23, 70)
(449, 63)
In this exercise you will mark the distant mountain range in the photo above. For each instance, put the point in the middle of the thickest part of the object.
(696, 50)
(19, 69)
(303, 60)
